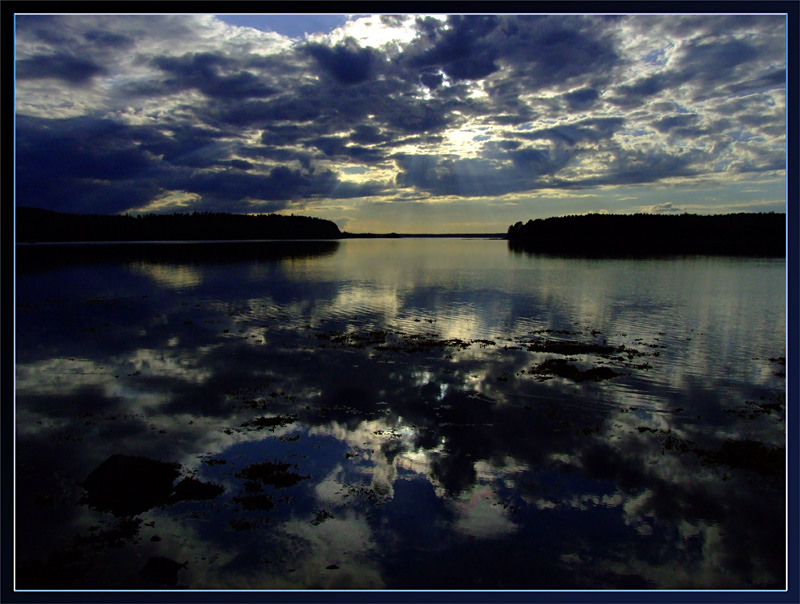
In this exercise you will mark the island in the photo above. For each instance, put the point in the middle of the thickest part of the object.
(749, 234)
(39, 225)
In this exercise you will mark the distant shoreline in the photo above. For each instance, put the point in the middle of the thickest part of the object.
(39, 226)
(759, 234)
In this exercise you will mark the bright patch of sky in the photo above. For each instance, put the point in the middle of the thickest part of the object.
(293, 26)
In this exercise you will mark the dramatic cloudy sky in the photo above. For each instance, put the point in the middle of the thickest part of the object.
(401, 123)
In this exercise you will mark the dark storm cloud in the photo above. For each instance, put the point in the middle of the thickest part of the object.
(768, 81)
(462, 51)
(201, 71)
(714, 60)
(347, 63)
(642, 89)
(665, 124)
(432, 80)
(329, 145)
(43, 28)
(81, 164)
(73, 70)
(508, 145)
(239, 164)
(581, 99)
(79, 148)
(416, 119)
(71, 164)
(104, 39)
(366, 134)
(552, 50)
(280, 183)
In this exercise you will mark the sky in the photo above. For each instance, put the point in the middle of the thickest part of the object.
(406, 123)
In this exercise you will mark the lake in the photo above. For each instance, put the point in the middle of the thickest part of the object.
(397, 414)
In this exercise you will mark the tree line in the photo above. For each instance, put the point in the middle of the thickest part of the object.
(38, 225)
(635, 234)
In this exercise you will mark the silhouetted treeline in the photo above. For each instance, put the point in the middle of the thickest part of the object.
(761, 234)
(35, 224)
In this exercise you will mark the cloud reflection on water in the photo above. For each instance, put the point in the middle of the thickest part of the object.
(402, 436)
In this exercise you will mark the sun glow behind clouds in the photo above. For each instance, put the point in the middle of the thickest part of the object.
(378, 31)
(398, 115)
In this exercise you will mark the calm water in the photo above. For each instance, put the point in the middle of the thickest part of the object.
(397, 414)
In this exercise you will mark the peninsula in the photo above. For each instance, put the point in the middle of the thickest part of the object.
(759, 234)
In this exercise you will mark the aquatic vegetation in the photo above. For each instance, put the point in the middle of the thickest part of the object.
(561, 368)
(260, 423)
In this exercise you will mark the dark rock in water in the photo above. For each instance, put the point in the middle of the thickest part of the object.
(332, 567)
(191, 488)
(162, 571)
(127, 486)
(563, 369)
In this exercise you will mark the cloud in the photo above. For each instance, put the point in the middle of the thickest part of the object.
(347, 63)
(592, 130)
(583, 98)
(463, 105)
(516, 170)
(202, 72)
(665, 124)
(461, 50)
(72, 70)
(664, 208)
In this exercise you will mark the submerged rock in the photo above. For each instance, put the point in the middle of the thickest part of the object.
(191, 488)
(161, 571)
(126, 485)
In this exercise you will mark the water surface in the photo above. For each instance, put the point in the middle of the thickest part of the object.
(397, 414)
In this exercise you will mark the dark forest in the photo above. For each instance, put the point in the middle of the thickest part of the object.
(635, 234)
(37, 225)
